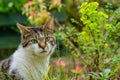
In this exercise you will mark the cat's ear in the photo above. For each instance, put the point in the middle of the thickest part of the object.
(23, 29)
(49, 25)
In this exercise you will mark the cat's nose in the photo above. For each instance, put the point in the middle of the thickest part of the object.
(42, 45)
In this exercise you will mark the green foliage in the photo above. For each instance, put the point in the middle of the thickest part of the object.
(9, 15)
(91, 33)
(101, 76)
(97, 39)
(11, 5)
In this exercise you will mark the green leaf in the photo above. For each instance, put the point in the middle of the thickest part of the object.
(94, 75)
(74, 21)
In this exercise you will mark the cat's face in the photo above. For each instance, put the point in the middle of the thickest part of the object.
(40, 40)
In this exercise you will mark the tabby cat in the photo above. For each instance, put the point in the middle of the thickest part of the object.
(30, 61)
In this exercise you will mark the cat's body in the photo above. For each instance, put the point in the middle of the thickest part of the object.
(30, 61)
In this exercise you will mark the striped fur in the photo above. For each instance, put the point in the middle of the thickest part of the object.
(4, 68)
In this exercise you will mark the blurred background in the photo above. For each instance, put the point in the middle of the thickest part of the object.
(10, 14)
(89, 39)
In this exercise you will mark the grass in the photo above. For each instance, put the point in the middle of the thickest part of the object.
(64, 68)
(59, 69)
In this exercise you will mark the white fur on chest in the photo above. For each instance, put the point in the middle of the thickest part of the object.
(28, 65)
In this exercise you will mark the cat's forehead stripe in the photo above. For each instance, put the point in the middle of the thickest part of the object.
(41, 35)
(37, 29)
(38, 34)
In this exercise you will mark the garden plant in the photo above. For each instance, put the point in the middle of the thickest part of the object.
(88, 37)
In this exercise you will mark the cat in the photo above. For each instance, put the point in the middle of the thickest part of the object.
(31, 60)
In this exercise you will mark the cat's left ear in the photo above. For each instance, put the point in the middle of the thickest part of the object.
(49, 25)
(23, 29)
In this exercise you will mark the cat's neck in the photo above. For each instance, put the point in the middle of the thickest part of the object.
(26, 63)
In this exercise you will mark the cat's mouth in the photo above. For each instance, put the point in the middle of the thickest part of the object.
(43, 51)
(46, 51)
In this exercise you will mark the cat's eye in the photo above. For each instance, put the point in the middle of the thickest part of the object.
(34, 41)
(47, 38)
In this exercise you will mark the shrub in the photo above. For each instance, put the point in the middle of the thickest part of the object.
(96, 44)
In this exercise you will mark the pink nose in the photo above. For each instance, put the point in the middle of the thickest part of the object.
(42, 45)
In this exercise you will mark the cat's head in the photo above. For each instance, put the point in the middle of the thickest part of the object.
(40, 40)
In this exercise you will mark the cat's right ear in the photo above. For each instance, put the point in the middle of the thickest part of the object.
(23, 29)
